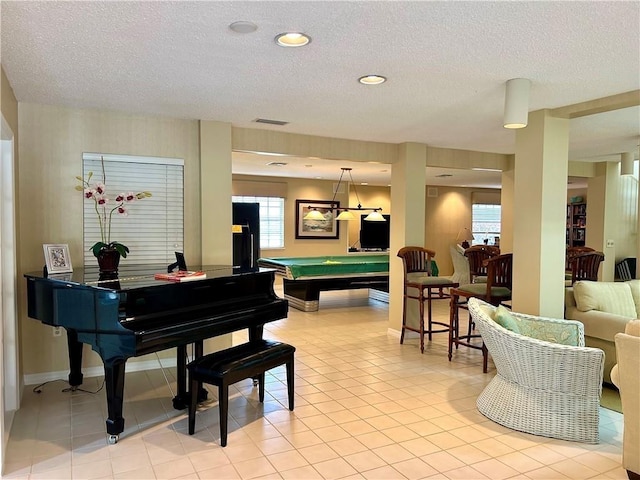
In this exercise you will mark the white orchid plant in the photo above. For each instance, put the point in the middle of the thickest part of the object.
(105, 208)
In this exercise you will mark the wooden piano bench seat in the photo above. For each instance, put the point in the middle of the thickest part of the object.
(231, 365)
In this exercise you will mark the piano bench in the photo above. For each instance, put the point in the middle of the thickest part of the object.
(231, 365)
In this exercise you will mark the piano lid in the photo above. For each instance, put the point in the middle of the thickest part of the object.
(139, 276)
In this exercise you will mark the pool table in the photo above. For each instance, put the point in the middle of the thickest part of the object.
(305, 277)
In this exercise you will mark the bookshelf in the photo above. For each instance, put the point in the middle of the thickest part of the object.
(576, 224)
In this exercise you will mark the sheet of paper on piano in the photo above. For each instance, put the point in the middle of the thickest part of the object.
(181, 276)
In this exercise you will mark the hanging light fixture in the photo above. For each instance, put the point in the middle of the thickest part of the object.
(516, 103)
(346, 213)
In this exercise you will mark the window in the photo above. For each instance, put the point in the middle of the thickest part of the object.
(271, 219)
(485, 223)
(154, 227)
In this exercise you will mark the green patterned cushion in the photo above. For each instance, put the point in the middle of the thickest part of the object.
(503, 317)
(555, 332)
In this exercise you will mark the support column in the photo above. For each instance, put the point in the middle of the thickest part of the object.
(602, 215)
(540, 194)
(408, 195)
(507, 210)
(215, 191)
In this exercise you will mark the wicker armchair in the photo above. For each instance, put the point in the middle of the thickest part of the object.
(541, 387)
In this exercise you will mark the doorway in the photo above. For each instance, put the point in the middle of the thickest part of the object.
(9, 397)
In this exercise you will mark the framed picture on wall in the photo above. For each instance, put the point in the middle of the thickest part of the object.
(57, 258)
(326, 226)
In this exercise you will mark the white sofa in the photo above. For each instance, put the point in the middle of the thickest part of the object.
(604, 308)
(625, 376)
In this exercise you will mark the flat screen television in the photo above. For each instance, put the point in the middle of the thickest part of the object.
(375, 235)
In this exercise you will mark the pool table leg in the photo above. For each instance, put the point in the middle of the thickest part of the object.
(302, 295)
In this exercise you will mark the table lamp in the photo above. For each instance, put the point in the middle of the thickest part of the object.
(465, 235)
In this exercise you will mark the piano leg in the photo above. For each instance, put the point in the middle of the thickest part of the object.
(114, 384)
(182, 398)
(75, 359)
(256, 333)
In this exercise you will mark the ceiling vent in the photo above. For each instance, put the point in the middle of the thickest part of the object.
(432, 192)
(277, 164)
(270, 122)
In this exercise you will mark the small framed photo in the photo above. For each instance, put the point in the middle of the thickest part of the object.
(57, 258)
(326, 226)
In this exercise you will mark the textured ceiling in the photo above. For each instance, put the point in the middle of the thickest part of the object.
(446, 64)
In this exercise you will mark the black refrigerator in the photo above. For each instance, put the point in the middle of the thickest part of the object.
(246, 235)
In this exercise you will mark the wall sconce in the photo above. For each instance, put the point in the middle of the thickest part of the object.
(516, 103)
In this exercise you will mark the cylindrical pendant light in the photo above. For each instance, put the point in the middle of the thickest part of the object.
(516, 103)
(626, 163)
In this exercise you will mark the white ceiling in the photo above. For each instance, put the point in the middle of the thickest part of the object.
(446, 64)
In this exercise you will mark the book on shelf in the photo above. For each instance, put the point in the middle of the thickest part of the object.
(181, 276)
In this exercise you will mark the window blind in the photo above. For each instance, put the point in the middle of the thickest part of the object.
(154, 227)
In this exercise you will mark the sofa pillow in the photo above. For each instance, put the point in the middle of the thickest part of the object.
(558, 331)
(635, 292)
(503, 317)
(609, 297)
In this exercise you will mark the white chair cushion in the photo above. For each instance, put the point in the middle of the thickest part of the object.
(610, 297)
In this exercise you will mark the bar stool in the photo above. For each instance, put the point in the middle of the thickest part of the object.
(496, 291)
(418, 274)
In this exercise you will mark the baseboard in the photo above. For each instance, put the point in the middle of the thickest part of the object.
(392, 332)
(38, 378)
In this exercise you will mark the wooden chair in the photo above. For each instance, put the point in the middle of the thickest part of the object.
(573, 252)
(496, 291)
(477, 255)
(418, 276)
(585, 266)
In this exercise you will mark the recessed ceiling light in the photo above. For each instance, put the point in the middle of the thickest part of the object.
(243, 27)
(292, 39)
(372, 79)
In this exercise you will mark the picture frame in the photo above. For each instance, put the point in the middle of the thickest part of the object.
(317, 229)
(57, 258)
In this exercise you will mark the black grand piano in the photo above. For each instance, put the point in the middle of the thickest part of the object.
(135, 314)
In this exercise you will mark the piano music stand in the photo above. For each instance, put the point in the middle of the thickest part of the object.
(180, 263)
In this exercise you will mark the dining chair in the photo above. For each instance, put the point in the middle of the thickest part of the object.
(573, 252)
(495, 291)
(477, 255)
(585, 266)
(418, 280)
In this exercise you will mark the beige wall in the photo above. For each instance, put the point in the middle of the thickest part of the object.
(52, 140)
(446, 214)
(299, 189)
(370, 196)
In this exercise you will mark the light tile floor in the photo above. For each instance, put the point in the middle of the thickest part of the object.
(366, 407)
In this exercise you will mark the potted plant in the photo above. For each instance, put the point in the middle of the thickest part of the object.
(106, 251)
